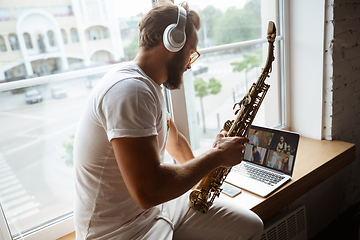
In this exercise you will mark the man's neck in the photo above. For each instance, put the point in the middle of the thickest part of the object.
(153, 63)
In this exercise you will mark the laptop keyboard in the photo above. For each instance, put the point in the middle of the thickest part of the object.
(257, 174)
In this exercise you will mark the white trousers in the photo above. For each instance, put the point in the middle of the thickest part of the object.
(177, 220)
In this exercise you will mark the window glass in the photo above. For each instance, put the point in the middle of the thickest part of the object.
(36, 182)
(74, 35)
(221, 78)
(64, 36)
(224, 22)
(27, 40)
(50, 35)
(61, 11)
(5, 14)
(36, 175)
(19, 11)
(14, 42)
(2, 44)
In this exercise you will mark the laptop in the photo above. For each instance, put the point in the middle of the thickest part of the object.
(268, 161)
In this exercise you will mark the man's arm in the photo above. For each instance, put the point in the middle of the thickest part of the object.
(151, 183)
(177, 145)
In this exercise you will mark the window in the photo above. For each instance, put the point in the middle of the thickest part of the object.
(36, 184)
(102, 56)
(19, 11)
(233, 47)
(41, 43)
(5, 15)
(41, 113)
(94, 34)
(64, 37)
(51, 38)
(62, 11)
(105, 33)
(14, 42)
(27, 40)
(74, 35)
(2, 44)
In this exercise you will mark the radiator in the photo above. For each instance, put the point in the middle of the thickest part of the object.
(287, 226)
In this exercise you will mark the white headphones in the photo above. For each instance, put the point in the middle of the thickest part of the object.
(174, 37)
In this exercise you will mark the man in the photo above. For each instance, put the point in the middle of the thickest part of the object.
(256, 155)
(254, 139)
(123, 191)
(282, 146)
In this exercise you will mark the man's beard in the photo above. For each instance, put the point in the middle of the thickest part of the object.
(175, 72)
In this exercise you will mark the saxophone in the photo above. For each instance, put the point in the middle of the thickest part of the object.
(209, 187)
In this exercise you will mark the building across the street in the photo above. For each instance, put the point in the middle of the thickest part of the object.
(41, 37)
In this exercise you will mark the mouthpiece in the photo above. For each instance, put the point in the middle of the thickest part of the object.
(271, 33)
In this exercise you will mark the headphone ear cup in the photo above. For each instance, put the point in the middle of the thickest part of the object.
(174, 39)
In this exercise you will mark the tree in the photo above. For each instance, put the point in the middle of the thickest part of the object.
(131, 50)
(69, 147)
(250, 61)
(232, 26)
(203, 89)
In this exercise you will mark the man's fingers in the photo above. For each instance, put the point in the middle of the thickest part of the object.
(243, 140)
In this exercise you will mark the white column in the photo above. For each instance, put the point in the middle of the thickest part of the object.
(29, 70)
(114, 30)
(81, 30)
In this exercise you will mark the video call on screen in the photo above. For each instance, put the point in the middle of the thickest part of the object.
(272, 148)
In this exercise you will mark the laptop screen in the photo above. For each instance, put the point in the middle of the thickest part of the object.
(272, 148)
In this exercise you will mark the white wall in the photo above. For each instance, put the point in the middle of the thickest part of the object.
(306, 51)
(317, 29)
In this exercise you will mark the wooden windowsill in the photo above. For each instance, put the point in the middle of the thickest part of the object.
(317, 160)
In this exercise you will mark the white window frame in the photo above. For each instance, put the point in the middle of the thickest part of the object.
(294, 100)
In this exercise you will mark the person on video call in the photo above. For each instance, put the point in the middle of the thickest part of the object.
(123, 189)
(282, 145)
(254, 139)
(285, 164)
(256, 155)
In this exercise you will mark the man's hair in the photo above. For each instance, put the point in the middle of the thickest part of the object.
(164, 13)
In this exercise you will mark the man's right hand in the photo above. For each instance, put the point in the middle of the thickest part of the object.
(230, 149)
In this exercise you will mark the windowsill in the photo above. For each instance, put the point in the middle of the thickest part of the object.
(70, 236)
(317, 160)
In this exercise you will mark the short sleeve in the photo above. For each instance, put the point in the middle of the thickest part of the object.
(129, 109)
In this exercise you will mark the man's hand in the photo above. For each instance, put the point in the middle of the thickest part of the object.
(231, 149)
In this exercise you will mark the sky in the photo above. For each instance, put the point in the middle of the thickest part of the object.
(126, 9)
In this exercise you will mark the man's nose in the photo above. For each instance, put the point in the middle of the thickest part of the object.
(188, 66)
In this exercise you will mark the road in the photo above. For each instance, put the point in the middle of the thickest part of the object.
(35, 181)
(218, 108)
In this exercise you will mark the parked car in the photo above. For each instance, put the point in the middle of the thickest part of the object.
(199, 69)
(58, 92)
(33, 96)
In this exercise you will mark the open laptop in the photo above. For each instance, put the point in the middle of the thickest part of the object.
(268, 161)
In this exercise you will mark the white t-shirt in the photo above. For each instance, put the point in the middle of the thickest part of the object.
(125, 103)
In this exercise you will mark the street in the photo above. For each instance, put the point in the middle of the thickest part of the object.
(35, 181)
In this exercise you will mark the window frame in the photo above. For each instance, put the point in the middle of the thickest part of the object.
(177, 105)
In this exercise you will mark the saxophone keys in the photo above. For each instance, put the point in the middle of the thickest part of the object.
(247, 100)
